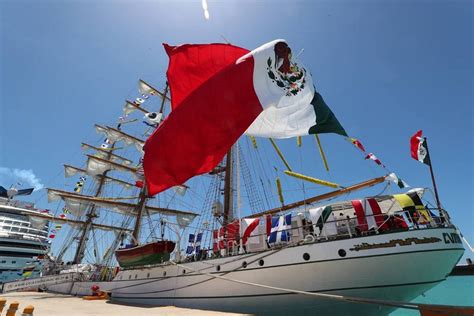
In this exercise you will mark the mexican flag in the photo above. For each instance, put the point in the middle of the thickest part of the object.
(220, 91)
(419, 148)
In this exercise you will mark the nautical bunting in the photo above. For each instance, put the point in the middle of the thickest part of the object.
(319, 216)
(197, 245)
(249, 226)
(228, 234)
(79, 184)
(393, 177)
(412, 203)
(215, 240)
(371, 156)
(190, 248)
(105, 144)
(153, 119)
(373, 213)
(194, 244)
(281, 230)
(356, 143)
(360, 215)
(268, 225)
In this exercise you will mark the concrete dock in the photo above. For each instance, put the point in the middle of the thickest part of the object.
(48, 304)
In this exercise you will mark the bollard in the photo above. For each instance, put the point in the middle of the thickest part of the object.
(12, 309)
(28, 311)
(3, 302)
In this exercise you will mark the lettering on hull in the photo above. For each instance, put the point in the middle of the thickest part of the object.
(452, 238)
(395, 242)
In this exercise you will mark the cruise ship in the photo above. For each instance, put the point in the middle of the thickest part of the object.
(23, 240)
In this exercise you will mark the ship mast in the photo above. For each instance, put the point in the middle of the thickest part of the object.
(227, 195)
(228, 189)
(144, 193)
(90, 216)
(140, 207)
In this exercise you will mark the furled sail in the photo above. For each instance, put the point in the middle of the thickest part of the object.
(130, 107)
(145, 88)
(79, 201)
(75, 206)
(45, 217)
(97, 166)
(70, 171)
(115, 135)
(104, 153)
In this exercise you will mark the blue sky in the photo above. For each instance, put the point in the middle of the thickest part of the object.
(386, 68)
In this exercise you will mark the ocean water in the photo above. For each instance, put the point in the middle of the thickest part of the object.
(455, 290)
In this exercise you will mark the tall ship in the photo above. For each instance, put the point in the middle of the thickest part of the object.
(24, 238)
(191, 210)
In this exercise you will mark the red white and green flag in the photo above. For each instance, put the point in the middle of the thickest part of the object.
(220, 91)
(419, 148)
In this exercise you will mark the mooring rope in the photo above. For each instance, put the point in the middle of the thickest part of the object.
(470, 247)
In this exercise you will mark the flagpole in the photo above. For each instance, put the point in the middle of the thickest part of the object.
(433, 179)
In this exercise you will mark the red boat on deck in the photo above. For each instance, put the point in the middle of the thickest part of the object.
(150, 253)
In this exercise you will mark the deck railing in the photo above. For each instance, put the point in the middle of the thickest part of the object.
(304, 231)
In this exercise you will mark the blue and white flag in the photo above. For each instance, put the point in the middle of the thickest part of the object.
(197, 244)
(281, 229)
(194, 244)
(190, 248)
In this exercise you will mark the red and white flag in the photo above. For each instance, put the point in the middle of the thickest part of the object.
(220, 91)
(356, 143)
(368, 213)
(249, 228)
(371, 156)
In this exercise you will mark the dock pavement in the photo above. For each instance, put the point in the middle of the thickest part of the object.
(49, 304)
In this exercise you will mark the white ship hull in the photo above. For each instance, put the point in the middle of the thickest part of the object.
(387, 271)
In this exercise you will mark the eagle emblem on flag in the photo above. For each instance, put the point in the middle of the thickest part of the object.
(285, 73)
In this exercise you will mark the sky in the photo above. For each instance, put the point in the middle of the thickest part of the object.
(386, 69)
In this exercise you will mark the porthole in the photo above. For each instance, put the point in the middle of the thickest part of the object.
(164, 273)
(184, 271)
(148, 275)
(244, 264)
(261, 262)
(130, 277)
(218, 268)
(342, 252)
(136, 276)
(306, 256)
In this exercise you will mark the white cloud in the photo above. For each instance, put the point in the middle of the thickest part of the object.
(11, 176)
